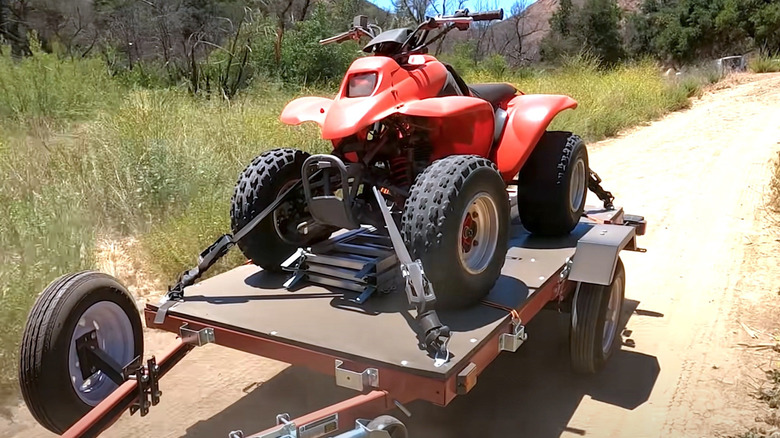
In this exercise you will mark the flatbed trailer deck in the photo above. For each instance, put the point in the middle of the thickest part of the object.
(372, 347)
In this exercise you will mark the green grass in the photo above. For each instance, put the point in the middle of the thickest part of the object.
(764, 64)
(85, 155)
(609, 101)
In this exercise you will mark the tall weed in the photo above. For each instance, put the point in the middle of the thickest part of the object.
(608, 100)
(48, 89)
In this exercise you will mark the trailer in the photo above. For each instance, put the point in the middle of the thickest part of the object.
(321, 316)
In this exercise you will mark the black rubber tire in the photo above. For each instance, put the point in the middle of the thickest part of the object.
(544, 184)
(258, 185)
(589, 314)
(43, 370)
(393, 426)
(431, 227)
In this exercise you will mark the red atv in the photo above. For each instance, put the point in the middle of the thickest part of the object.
(442, 152)
(418, 155)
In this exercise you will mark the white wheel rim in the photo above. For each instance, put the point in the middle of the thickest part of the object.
(478, 238)
(114, 336)
(577, 186)
(613, 315)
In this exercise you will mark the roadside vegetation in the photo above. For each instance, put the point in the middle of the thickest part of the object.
(764, 64)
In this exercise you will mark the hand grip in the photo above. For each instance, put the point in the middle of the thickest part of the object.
(487, 16)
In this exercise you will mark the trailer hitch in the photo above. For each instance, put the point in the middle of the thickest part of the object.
(419, 291)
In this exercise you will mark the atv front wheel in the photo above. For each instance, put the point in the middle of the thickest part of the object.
(456, 221)
(290, 226)
(76, 314)
(553, 185)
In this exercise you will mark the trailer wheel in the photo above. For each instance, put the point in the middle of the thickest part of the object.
(394, 427)
(456, 222)
(55, 387)
(595, 322)
(277, 236)
(553, 185)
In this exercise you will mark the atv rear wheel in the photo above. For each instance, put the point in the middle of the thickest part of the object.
(553, 185)
(456, 221)
(290, 226)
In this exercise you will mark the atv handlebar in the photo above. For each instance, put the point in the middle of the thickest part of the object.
(498, 14)
(461, 20)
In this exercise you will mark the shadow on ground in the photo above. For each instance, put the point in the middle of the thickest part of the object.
(529, 393)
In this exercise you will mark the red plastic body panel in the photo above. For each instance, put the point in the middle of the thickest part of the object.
(344, 116)
(528, 116)
(461, 124)
(306, 109)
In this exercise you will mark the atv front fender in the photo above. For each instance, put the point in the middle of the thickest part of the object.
(306, 109)
(528, 116)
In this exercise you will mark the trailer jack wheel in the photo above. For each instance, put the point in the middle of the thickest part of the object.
(595, 322)
(82, 337)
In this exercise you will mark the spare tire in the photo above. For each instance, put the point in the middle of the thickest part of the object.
(51, 376)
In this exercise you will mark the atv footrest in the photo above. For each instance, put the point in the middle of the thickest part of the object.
(361, 261)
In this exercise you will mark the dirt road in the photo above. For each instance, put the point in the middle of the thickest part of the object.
(698, 176)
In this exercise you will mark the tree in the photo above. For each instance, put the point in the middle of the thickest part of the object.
(561, 20)
(754, 21)
(13, 26)
(600, 27)
(594, 27)
(522, 28)
(413, 11)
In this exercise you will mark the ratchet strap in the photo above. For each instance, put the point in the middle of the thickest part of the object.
(211, 255)
(512, 312)
(419, 291)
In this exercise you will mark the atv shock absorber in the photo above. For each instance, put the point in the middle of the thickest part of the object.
(400, 171)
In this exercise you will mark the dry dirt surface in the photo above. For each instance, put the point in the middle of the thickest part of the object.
(699, 177)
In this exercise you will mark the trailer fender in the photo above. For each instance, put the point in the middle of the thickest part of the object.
(528, 116)
(596, 255)
(306, 109)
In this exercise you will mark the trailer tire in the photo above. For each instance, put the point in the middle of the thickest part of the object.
(258, 186)
(456, 222)
(595, 322)
(393, 426)
(71, 306)
(553, 184)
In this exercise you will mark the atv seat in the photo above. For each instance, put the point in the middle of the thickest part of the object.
(495, 93)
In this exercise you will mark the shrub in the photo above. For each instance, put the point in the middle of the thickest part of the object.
(764, 64)
(44, 87)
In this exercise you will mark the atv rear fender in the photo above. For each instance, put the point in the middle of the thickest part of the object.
(528, 116)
